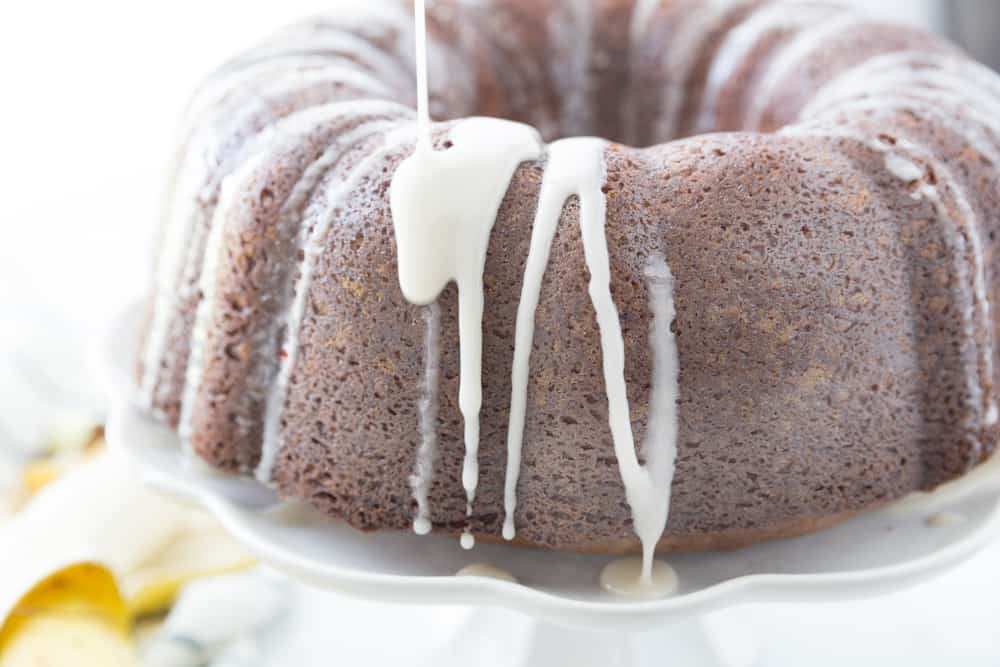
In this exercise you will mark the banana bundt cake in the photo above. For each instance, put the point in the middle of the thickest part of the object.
(761, 301)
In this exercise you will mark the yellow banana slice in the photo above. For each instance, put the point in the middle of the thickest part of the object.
(73, 617)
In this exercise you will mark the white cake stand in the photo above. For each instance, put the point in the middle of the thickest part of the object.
(564, 616)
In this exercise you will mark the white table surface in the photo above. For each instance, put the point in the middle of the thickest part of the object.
(91, 93)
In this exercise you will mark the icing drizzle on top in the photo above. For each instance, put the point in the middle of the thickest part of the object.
(444, 205)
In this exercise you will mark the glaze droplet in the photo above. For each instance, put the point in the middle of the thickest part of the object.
(467, 541)
(421, 526)
(944, 518)
(486, 570)
(624, 577)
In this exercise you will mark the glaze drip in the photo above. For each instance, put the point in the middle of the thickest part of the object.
(444, 237)
(564, 178)
(575, 167)
(645, 493)
(444, 204)
(423, 473)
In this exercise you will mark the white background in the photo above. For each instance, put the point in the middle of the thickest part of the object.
(90, 91)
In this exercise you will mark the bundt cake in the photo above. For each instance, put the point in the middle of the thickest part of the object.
(762, 301)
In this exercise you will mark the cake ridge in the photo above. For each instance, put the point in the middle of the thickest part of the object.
(980, 389)
(782, 64)
(353, 123)
(271, 444)
(690, 33)
(187, 229)
(423, 467)
(756, 21)
(907, 67)
(983, 134)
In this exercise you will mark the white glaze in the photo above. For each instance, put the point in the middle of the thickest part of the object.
(740, 42)
(906, 71)
(642, 14)
(177, 235)
(218, 88)
(948, 87)
(423, 473)
(814, 35)
(565, 176)
(444, 204)
(902, 168)
(338, 74)
(983, 479)
(340, 39)
(467, 540)
(486, 570)
(443, 237)
(568, 172)
(288, 130)
(659, 447)
(945, 518)
(196, 359)
(979, 131)
(188, 175)
(646, 488)
(622, 577)
(681, 57)
(369, 18)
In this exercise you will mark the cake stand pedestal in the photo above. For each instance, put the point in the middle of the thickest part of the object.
(560, 614)
(491, 637)
(432, 636)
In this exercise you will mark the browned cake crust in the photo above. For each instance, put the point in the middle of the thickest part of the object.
(836, 350)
